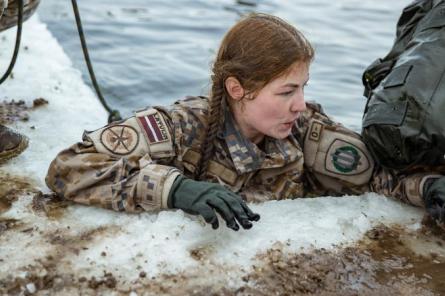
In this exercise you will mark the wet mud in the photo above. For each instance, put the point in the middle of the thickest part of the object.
(387, 261)
(416, 258)
(12, 111)
(65, 243)
(11, 187)
(49, 205)
(51, 274)
(8, 224)
(383, 263)
(202, 253)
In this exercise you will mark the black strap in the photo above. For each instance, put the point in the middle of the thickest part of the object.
(17, 42)
(113, 114)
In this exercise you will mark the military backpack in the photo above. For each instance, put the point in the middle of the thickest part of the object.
(404, 119)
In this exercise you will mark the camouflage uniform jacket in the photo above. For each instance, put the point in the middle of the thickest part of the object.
(131, 165)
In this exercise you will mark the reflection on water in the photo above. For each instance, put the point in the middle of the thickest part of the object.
(153, 52)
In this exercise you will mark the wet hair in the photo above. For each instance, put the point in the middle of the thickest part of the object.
(256, 50)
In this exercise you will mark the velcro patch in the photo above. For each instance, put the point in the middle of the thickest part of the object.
(315, 132)
(120, 139)
(346, 158)
(154, 128)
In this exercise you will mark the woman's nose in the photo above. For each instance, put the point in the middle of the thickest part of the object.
(298, 103)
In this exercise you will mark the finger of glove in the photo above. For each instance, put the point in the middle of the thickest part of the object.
(437, 212)
(436, 193)
(251, 215)
(208, 214)
(220, 206)
(237, 205)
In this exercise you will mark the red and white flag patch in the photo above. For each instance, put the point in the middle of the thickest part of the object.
(154, 128)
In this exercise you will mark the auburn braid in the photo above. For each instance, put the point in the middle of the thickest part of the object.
(215, 123)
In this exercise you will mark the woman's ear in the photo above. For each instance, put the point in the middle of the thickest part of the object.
(234, 88)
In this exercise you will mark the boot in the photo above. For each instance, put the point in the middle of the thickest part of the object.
(11, 143)
(9, 12)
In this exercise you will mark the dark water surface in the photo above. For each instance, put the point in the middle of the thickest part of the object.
(154, 52)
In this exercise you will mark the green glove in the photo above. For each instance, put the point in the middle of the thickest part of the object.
(204, 198)
(434, 198)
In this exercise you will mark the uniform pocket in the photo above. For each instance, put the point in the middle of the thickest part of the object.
(387, 113)
(398, 76)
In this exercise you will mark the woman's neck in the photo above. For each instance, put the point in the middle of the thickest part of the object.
(246, 130)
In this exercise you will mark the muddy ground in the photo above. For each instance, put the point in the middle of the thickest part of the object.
(387, 261)
(12, 186)
(15, 110)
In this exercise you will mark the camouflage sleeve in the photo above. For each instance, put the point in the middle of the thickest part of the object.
(336, 161)
(124, 166)
(407, 187)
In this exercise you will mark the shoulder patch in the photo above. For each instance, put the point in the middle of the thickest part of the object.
(120, 139)
(154, 128)
(336, 152)
(346, 158)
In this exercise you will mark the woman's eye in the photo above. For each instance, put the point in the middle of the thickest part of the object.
(287, 93)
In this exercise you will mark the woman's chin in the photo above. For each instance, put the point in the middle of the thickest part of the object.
(282, 134)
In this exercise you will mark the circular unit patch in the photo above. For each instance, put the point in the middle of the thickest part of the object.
(345, 159)
(120, 139)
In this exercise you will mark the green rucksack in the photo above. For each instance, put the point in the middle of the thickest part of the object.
(404, 119)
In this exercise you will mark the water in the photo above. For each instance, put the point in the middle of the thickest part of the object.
(154, 52)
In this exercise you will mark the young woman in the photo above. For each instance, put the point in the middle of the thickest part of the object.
(254, 139)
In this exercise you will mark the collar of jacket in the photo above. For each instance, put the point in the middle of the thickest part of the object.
(246, 155)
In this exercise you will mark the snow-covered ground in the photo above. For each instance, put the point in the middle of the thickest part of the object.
(85, 241)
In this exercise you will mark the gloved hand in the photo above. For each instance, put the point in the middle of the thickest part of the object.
(204, 198)
(434, 198)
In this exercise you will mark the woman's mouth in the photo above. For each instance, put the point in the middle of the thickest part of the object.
(289, 124)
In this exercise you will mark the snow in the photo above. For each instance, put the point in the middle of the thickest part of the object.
(44, 70)
(155, 243)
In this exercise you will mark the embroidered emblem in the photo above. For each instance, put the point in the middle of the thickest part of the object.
(120, 139)
(345, 159)
(154, 128)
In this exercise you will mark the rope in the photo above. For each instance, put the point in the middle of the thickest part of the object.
(17, 42)
(113, 114)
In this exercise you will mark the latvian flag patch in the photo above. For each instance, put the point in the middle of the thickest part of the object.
(154, 128)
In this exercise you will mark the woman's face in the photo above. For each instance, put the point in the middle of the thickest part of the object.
(275, 108)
